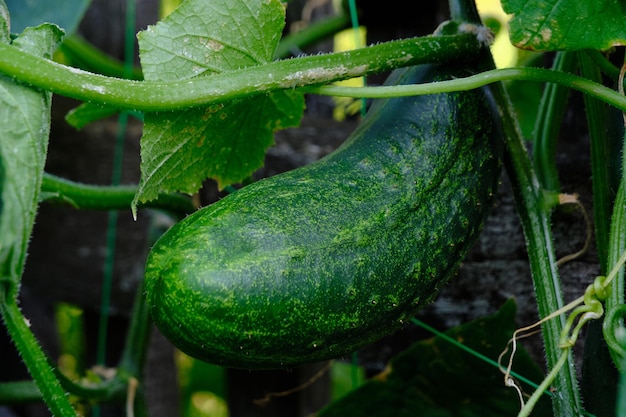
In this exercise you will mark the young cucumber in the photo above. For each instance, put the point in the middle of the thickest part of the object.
(317, 262)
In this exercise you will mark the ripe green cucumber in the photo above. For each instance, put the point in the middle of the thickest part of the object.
(317, 262)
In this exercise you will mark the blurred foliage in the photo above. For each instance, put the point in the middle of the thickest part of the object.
(436, 378)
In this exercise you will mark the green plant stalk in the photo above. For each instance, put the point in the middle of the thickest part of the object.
(620, 409)
(97, 197)
(551, 110)
(540, 75)
(600, 155)
(135, 351)
(27, 392)
(292, 44)
(137, 340)
(617, 246)
(34, 357)
(603, 63)
(283, 74)
(286, 74)
(534, 214)
(545, 385)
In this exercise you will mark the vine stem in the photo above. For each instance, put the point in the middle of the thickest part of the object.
(617, 244)
(548, 124)
(276, 75)
(34, 357)
(482, 79)
(534, 213)
(601, 133)
(100, 197)
(545, 385)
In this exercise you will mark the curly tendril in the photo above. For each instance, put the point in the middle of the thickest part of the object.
(614, 335)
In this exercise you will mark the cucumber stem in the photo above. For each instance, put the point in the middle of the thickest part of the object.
(282, 74)
(34, 357)
(615, 301)
(535, 218)
(548, 124)
(484, 78)
(98, 197)
(599, 127)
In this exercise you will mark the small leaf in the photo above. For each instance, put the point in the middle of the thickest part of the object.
(223, 141)
(550, 25)
(436, 378)
(25, 121)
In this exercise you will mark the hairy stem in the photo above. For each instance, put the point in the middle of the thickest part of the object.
(601, 134)
(540, 75)
(283, 74)
(534, 214)
(99, 197)
(35, 359)
(548, 125)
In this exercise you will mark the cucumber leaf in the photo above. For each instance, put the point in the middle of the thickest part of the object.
(223, 141)
(550, 25)
(25, 121)
(436, 378)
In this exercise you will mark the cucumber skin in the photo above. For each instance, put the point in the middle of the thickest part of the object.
(317, 262)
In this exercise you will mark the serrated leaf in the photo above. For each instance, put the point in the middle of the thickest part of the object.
(25, 121)
(226, 141)
(436, 378)
(211, 36)
(550, 25)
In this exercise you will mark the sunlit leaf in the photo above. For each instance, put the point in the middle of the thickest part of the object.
(223, 141)
(549, 25)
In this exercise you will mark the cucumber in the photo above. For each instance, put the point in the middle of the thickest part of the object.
(317, 262)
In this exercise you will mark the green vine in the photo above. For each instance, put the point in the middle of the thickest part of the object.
(283, 74)
(548, 124)
(18, 327)
(99, 197)
(539, 75)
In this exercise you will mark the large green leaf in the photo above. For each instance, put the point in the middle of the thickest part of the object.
(436, 378)
(65, 13)
(549, 25)
(223, 141)
(25, 121)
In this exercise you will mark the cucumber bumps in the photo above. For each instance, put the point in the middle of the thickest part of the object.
(317, 262)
